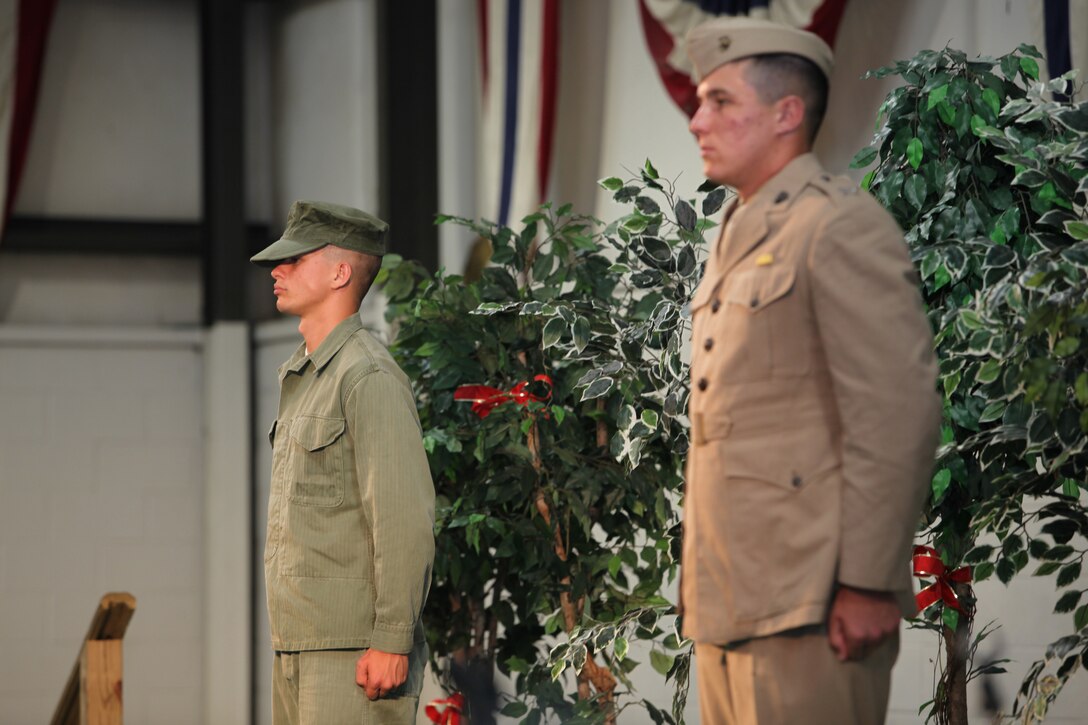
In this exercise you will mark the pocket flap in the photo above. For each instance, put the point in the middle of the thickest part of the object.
(790, 459)
(757, 288)
(314, 432)
(706, 427)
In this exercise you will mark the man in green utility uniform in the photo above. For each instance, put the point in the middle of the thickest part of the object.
(351, 511)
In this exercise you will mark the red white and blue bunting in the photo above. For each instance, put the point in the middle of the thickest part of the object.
(667, 22)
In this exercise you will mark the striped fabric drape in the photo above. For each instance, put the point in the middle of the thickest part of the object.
(519, 42)
(24, 27)
(666, 23)
(1064, 29)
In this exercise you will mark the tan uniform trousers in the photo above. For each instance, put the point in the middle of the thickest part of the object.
(318, 688)
(792, 679)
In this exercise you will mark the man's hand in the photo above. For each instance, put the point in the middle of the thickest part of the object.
(859, 621)
(380, 672)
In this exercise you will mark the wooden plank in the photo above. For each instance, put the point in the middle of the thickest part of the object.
(109, 622)
(100, 677)
(111, 619)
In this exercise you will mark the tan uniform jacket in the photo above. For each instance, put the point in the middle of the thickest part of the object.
(813, 410)
(351, 511)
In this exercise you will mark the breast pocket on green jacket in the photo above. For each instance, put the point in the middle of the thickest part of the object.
(316, 463)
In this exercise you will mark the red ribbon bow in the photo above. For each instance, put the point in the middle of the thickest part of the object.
(927, 562)
(484, 398)
(447, 711)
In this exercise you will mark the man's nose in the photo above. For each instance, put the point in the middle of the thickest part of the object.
(695, 125)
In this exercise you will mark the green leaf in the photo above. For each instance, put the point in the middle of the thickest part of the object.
(950, 617)
(936, 96)
(988, 372)
(971, 320)
(983, 571)
(612, 183)
(515, 709)
(517, 664)
(1030, 68)
(553, 332)
(864, 157)
(1068, 602)
(661, 662)
(1070, 487)
(649, 169)
(619, 648)
(597, 388)
(941, 277)
(713, 201)
(1080, 619)
(559, 412)
(947, 113)
(685, 215)
(1046, 569)
(426, 349)
(1009, 66)
(914, 189)
(1066, 346)
(1077, 230)
(989, 97)
(977, 124)
(992, 412)
(580, 333)
(941, 481)
(1068, 574)
(914, 152)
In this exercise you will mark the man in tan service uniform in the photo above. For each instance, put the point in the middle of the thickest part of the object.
(351, 510)
(813, 408)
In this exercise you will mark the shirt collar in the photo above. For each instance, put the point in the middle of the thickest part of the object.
(326, 351)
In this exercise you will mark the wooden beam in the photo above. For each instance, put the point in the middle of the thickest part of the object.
(109, 622)
(53, 235)
(100, 679)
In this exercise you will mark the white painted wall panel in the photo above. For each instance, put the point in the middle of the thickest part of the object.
(96, 495)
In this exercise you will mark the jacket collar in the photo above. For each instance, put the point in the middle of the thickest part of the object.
(748, 223)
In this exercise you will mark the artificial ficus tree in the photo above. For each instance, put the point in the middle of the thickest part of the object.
(557, 522)
(988, 176)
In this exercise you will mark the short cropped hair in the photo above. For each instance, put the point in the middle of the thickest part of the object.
(364, 267)
(777, 75)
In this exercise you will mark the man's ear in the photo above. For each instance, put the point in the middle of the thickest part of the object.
(343, 275)
(789, 114)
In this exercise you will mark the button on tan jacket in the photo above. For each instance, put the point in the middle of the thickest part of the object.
(350, 540)
(813, 408)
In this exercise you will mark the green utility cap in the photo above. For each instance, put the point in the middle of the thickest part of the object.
(312, 225)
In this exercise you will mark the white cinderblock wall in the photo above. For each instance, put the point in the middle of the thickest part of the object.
(100, 490)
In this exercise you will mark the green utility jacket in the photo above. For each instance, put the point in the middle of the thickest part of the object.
(351, 510)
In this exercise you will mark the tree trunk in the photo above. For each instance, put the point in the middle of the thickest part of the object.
(599, 676)
(957, 648)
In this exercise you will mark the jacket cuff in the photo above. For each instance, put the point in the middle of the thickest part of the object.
(393, 638)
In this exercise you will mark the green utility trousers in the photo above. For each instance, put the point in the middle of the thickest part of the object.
(317, 687)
